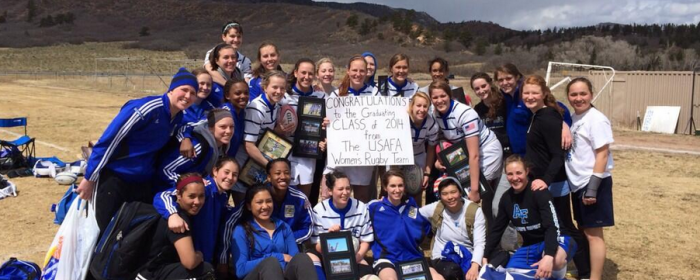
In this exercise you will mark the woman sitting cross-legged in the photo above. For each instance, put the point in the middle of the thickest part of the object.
(459, 229)
(263, 246)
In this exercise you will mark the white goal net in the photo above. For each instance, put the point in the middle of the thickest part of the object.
(561, 73)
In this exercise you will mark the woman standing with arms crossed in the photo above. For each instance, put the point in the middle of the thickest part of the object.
(588, 167)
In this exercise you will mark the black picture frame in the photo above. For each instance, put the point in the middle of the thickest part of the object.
(455, 158)
(414, 270)
(458, 94)
(252, 173)
(311, 112)
(311, 107)
(383, 85)
(338, 255)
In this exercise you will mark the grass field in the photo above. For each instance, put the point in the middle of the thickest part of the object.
(655, 237)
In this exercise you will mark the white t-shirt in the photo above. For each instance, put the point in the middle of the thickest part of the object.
(462, 122)
(356, 220)
(590, 131)
(454, 229)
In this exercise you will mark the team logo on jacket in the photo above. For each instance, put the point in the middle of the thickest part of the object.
(412, 212)
(289, 211)
(520, 214)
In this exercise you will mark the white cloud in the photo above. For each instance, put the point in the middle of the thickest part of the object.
(542, 14)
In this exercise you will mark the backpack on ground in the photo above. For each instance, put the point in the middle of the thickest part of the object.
(15, 269)
(123, 249)
(469, 218)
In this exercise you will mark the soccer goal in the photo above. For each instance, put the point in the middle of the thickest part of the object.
(560, 73)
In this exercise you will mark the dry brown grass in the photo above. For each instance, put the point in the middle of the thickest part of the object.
(655, 194)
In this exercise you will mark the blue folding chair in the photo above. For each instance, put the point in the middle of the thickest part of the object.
(18, 152)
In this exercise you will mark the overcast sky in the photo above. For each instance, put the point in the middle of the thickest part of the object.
(542, 14)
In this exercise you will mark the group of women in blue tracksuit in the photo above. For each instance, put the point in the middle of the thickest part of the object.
(184, 152)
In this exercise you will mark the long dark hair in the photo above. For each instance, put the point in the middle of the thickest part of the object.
(495, 94)
(248, 216)
(214, 56)
(292, 80)
(258, 69)
(331, 178)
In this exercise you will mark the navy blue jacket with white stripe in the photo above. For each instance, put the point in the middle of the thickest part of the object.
(129, 145)
(295, 210)
(206, 225)
(171, 163)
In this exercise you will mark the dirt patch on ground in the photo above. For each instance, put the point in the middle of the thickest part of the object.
(655, 236)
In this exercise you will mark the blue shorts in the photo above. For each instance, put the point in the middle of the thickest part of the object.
(599, 214)
(559, 189)
(526, 256)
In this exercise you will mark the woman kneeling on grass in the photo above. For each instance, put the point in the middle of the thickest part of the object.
(398, 228)
(264, 246)
(341, 212)
(179, 260)
(532, 213)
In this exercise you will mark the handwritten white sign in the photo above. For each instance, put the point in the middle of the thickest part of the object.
(661, 119)
(368, 131)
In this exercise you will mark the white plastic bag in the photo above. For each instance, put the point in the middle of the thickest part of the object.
(71, 250)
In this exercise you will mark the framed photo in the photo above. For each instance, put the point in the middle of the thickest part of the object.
(273, 146)
(414, 270)
(307, 147)
(309, 132)
(311, 107)
(458, 94)
(338, 255)
(456, 160)
(252, 173)
(310, 127)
